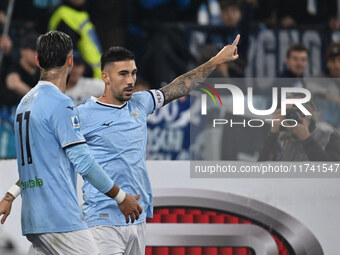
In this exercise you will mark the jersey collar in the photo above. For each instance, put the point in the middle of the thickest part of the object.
(94, 99)
(46, 83)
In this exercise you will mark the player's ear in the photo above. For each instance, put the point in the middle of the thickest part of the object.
(36, 59)
(105, 77)
(70, 60)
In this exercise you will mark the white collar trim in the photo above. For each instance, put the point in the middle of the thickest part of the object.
(95, 99)
(46, 83)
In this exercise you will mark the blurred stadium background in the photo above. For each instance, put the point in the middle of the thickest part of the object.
(170, 37)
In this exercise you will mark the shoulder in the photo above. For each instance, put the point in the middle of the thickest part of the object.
(89, 104)
(85, 109)
(53, 97)
(141, 95)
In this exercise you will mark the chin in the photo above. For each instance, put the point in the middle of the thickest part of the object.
(126, 98)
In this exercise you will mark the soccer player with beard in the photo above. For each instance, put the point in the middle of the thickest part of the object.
(115, 129)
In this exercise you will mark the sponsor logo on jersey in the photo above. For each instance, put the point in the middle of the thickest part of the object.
(36, 182)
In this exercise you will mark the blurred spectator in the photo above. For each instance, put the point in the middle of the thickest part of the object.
(231, 12)
(333, 61)
(292, 13)
(22, 12)
(6, 46)
(326, 89)
(296, 63)
(264, 12)
(24, 75)
(111, 19)
(72, 18)
(235, 17)
(33, 14)
(80, 88)
(42, 10)
(309, 140)
(238, 17)
(157, 40)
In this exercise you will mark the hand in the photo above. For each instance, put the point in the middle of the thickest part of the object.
(6, 206)
(228, 53)
(130, 207)
(6, 44)
(301, 130)
(3, 17)
(277, 123)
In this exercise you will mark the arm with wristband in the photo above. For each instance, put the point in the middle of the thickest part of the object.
(90, 170)
(6, 202)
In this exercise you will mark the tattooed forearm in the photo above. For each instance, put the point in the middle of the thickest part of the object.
(185, 83)
(8, 197)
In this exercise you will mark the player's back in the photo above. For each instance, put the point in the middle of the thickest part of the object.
(46, 123)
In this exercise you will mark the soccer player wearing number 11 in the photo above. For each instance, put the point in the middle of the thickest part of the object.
(115, 129)
(50, 147)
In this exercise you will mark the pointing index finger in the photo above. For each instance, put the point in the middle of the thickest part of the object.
(236, 40)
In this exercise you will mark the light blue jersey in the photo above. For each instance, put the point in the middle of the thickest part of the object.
(47, 122)
(117, 136)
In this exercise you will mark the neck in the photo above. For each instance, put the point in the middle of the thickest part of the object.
(28, 68)
(71, 84)
(57, 77)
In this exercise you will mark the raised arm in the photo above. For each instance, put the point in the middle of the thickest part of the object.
(185, 83)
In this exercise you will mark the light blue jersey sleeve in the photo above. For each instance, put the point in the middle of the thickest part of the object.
(65, 124)
(150, 100)
(88, 168)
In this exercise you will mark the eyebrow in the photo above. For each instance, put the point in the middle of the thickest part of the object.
(126, 71)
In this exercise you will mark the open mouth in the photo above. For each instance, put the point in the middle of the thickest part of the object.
(129, 90)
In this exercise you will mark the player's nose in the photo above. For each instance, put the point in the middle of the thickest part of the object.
(130, 80)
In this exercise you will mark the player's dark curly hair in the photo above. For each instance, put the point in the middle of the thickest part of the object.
(53, 49)
(115, 54)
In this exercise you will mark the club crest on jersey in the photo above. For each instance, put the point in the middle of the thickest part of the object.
(136, 115)
(75, 123)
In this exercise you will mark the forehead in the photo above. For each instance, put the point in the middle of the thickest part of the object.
(295, 53)
(126, 65)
